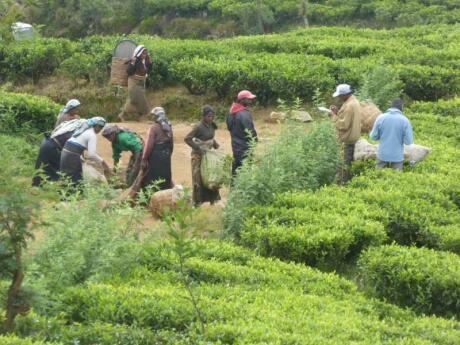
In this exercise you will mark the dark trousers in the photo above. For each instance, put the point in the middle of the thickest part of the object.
(238, 158)
(49, 157)
(348, 153)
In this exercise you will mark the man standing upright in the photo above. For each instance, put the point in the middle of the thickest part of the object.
(348, 123)
(241, 127)
(393, 130)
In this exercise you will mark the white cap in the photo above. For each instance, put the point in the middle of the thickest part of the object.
(342, 89)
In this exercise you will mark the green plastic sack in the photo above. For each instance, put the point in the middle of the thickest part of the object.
(216, 169)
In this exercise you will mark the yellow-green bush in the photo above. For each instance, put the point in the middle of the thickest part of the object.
(23, 113)
(428, 281)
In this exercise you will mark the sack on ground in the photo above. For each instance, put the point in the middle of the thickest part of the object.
(216, 169)
(93, 172)
(413, 153)
(364, 150)
(166, 200)
(369, 113)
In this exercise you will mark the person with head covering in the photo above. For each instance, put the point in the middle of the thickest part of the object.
(200, 139)
(136, 103)
(49, 155)
(83, 139)
(156, 157)
(123, 139)
(69, 112)
(393, 129)
(241, 127)
(348, 124)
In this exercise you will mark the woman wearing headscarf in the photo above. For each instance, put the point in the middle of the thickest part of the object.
(123, 139)
(199, 139)
(69, 112)
(158, 149)
(137, 76)
(83, 139)
(49, 155)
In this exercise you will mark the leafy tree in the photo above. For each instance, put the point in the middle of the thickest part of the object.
(19, 214)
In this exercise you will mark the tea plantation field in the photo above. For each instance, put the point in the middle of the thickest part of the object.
(300, 259)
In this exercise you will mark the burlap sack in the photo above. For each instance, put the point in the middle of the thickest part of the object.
(92, 172)
(413, 153)
(369, 113)
(165, 200)
(364, 150)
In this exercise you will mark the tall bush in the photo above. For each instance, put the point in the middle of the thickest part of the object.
(296, 160)
(381, 85)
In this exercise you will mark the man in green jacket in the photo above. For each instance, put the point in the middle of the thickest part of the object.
(123, 139)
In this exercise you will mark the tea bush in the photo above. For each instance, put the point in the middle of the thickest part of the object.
(23, 113)
(14, 340)
(449, 107)
(321, 240)
(425, 280)
(244, 299)
(273, 66)
(33, 59)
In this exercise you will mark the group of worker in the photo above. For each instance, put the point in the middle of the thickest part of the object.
(61, 153)
(392, 129)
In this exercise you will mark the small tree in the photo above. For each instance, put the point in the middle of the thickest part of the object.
(303, 11)
(9, 13)
(19, 206)
(178, 225)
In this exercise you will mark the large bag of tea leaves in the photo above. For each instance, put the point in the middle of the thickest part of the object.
(216, 169)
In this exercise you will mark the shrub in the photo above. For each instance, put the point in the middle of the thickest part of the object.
(381, 85)
(254, 300)
(13, 340)
(296, 160)
(78, 241)
(323, 240)
(33, 59)
(442, 107)
(22, 113)
(55, 330)
(423, 279)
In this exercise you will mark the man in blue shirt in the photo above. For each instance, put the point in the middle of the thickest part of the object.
(393, 130)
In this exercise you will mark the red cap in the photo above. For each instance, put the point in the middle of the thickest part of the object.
(245, 94)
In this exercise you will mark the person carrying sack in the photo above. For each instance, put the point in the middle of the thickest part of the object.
(83, 139)
(137, 75)
(200, 139)
(49, 154)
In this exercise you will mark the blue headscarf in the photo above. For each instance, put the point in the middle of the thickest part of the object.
(73, 103)
(90, 123)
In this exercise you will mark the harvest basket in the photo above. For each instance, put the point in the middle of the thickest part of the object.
(119, 74)
(120, 58)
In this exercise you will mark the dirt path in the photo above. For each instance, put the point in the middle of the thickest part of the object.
(181, 166)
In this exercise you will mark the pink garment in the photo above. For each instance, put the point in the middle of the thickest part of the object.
(236, 107)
